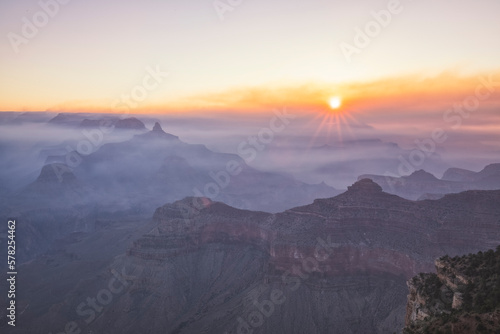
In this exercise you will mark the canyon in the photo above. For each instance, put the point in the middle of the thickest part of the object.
(338, 265)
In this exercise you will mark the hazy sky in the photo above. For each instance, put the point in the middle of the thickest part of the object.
(91, 52)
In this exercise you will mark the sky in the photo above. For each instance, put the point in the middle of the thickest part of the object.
(251, 55)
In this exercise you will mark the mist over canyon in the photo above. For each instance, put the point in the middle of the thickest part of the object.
(249, 167)
(125, 227)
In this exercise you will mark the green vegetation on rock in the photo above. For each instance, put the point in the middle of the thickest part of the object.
(463, 297)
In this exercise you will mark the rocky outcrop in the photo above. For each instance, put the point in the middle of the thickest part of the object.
(157, 127)
(157, 133)
(462, 297)
(431, 294)
(416, 309)
(450, 276)
(365, 187)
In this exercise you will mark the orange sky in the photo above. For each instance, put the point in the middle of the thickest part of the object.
(408, 93)
(262, 54)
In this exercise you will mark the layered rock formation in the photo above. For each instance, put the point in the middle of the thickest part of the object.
(348, 249)
(338, 265)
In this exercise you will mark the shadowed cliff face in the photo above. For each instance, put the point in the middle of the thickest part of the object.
(338, 265)
(348, 257)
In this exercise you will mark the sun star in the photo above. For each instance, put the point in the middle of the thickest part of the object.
(335, 102)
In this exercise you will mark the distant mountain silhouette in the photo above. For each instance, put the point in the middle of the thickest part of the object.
(157, 133)
(130, 123)
(349, 159)
(141, 170)
(74, 119)
(422, 185)
(17, 118)
(487, 178)
(458, 175)
(89, 120)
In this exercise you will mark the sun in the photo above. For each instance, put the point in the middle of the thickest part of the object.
(335, 102)
(336, 119)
